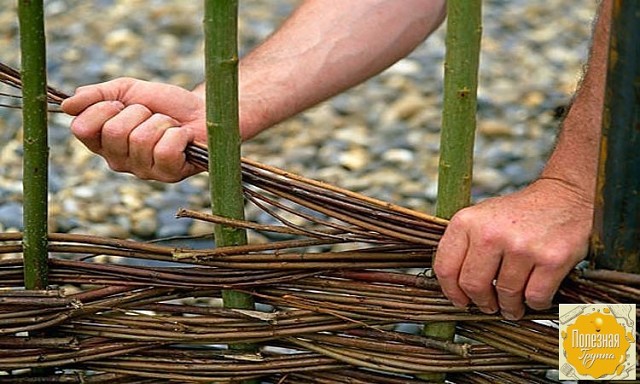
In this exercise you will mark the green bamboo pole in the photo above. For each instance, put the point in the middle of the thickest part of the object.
(221, 67)
(464, 31)
(615, 241)
(36, 150)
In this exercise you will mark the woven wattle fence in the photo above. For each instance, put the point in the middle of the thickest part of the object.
(324, 316)
(338, 300)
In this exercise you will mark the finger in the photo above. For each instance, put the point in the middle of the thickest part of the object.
(87, 127)
(169, 157)
(116, 131)
(450, 255)
(542, 286)
(143, 140)
(510, 285)
(478, 272)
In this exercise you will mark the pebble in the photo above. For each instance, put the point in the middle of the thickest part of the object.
(494, 128)
(103, 229)
(405, 108)
(354, 159)
(144, 223)
(169, 225)
(380, 138)
(405, 67)
(489, 180)
(200, 228)
(11, 215)
(398, 156)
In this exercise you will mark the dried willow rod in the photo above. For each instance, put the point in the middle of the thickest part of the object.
(517, 377)
(389, 343)
(347, 376)
(347, 308)
(78, 378)
(12, 77)
(219, 257)
(511, 341)
(612, 276)
(412, 364)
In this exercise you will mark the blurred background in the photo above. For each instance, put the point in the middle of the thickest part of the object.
(380, 138)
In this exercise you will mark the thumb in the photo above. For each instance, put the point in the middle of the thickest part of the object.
(88, 95)
(161, 98)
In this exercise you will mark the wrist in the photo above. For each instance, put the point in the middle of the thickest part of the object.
(253, 114)
(559, 185)
(574, 161)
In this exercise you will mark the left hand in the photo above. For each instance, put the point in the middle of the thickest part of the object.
(515, 249)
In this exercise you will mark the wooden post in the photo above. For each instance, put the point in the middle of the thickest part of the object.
(36, 150)
(615, 242)
(221, 67)
(464, 31)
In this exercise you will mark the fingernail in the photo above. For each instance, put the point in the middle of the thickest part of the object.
(489, 310)
(508, 315)
(117, 104)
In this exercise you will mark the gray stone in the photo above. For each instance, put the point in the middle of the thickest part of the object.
(169, 225)
(11, 215)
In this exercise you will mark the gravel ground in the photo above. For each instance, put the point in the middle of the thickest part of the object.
(380, 138)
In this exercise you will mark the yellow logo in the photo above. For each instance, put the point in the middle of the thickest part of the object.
(597, 341)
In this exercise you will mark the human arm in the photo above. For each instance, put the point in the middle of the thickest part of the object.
(323, 48)
(527, 242)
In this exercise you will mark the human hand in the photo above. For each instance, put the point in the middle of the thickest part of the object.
(139, 127)
(515, 249)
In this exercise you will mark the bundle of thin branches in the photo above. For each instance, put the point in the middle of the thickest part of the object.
(12, 77)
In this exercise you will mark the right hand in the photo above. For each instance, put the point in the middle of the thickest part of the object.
(139, 127)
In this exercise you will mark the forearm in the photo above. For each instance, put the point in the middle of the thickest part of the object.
(516, 249)
(575, 158)
(326, 47)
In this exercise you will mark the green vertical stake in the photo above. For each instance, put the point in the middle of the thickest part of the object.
(36, 150)
(464, 31)
(221, 68)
